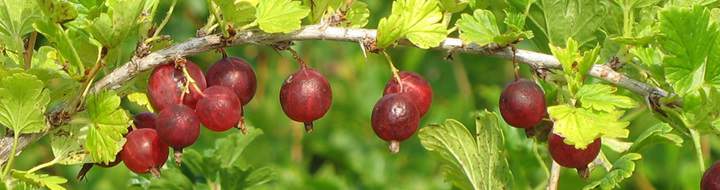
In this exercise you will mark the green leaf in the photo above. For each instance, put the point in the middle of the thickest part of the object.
(417, 20)
(199, 165)
(555, 21)
(140, 99)
(61, 41)
(357, 16)
(691, 43)
(470, 163)
(480, 28)
(602, 98)
(58, 11)
(23, 101)
(622, 169)
(275, 16)
(658, 133)
(229, 149)
(16, 18)
(171, 179)
(106, 123)
(40, 180)
(453, 6)
(111, 28)
(236, 178)
(67, 145)
(237, 12)
(319, 8)
(580, 126)
(575, 64)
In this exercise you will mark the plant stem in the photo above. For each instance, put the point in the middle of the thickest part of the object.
(44, 165)
(698, 149)
(554, 176)
(190, 82)
(220, 20)
(11, 158)
(29, 48)
(394, 70)
(166, 19)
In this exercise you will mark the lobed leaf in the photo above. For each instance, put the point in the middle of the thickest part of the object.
(23, 101)
(237, 12)
(602, 97)
(16, 18)
(555, 21)
(106, 123)
(417, 20)
(280, 16)
(622, 169)
(39, 180)
(480, 28)
(580, 126)
(658, 133)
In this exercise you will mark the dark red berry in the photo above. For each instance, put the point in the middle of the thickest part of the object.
(166, 84)
(711, 178)
(144, 120)
(144, 151)
(179, 127)
(568, 156)
(305, 96)
(522, 104)
(395, 118)
(219, 109)
(236, 74)
(416, 87)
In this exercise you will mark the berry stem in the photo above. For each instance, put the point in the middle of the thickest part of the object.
(241, 123)
(155, 172)
(394, 70)
(309, 127)
(178, 156)
(190, 81)
(297, 58)
(516, 67)
(394, 146)
(84, 170)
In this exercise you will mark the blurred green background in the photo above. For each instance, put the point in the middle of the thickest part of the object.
(344, 153)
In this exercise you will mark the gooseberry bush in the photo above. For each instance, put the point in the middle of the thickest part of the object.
(99, 84)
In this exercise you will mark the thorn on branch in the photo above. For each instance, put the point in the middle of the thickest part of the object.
(615, 63)
(371, 45)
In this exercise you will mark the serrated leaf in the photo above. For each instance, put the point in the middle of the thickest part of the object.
(555, 21)
(480, 28)
(580, 126)
(280, 16)
(16, 18)
(67, 144)
(106, 123)
(602, 98)
(691, 43)
(658, 133)
(470, 163)
(622, 169)
(140, 99)
(357, 16)
(319, 8)
(114, 26)
(62, 41)
(453, 6)
(575, 64)
(58, 11)
(40, 180)
(237, 12)
(417, 20)
(23, 100)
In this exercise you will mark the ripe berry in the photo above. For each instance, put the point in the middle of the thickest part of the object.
(305, 96)
(179, 127)
(568, 156)
(236, 74)
(711, 178)
(416, 87)
(219, 109)
(144, 120)
(144, 151)
(395, 118)
(522, 104)
(166, 84)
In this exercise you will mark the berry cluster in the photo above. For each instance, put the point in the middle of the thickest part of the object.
(522, 105)
(397, 114)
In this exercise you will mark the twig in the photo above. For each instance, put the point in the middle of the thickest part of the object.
(29, 49)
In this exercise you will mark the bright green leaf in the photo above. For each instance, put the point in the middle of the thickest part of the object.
(555, 21)
(658, 133)
(602, 97)
(40, 180)
(357, 16)
(16, 18)
(23, 100)
(111, 28)
(275, 16)
(67, 145)
(58, 11)
(106, 123)
(453, 6)
(622, 169)
(237, 12)
(140, 99)
(480, 28)
(417, 20)
(320, 7)
(62, 42)
(580, 126)
(470, 162)
(691, 43)
(575, 64)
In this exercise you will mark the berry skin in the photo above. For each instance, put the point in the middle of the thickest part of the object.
(179, 127)
(522, 104)
(144, 151)
(416, 87)
(568, 156)
(711, 178)
(305, 96)
(144, 120)
(166, 83)
(220, 109)
(395, 118)
(236, 74)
